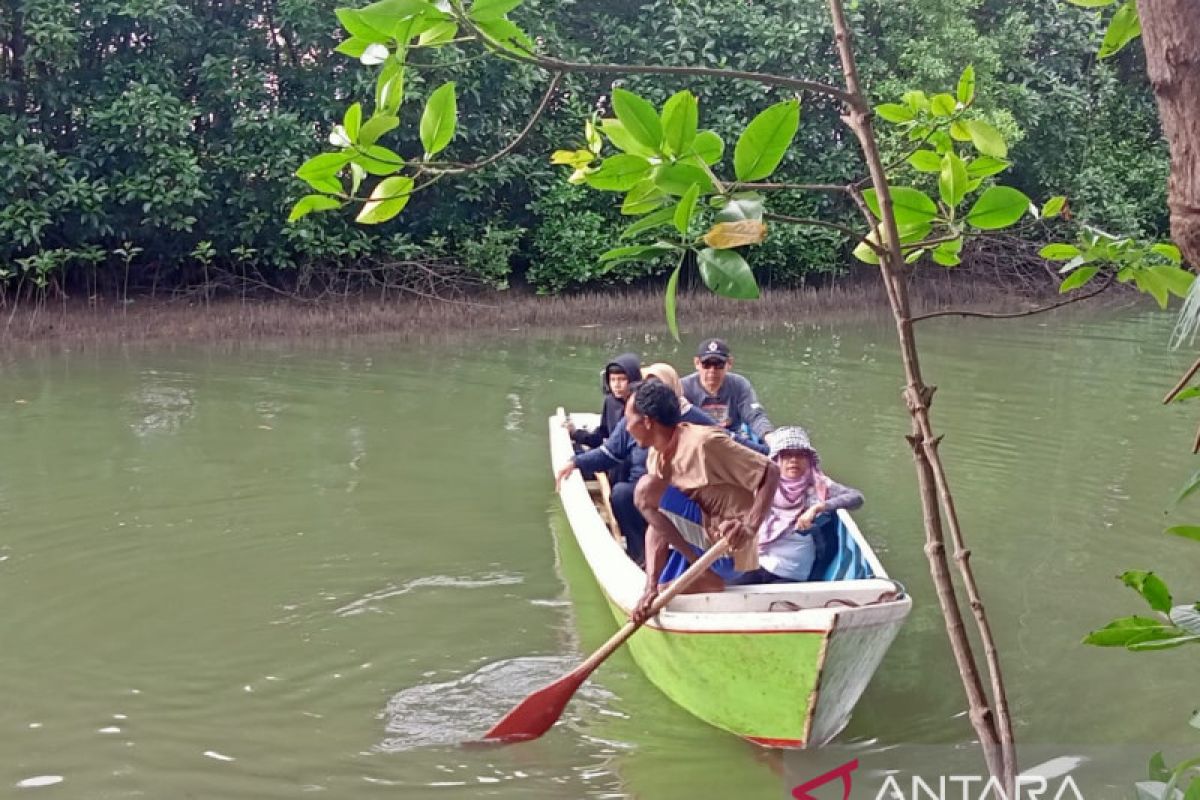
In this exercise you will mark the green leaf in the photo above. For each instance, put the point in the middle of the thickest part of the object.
(1123, 29)
(984, 166)
(623, 140)
(391, 16)
(676, 179)
(359, 29)
(685, 208)
(727, 274)
(1186, 531)
(378, 160)
(987, 140)
(679, 119)
(1053, 207)
(916, 100)
(323, 167)
(766, 139)
(440, 119)
(998, 207)
(1193, 790)
(909, 234)
(1161, 643)
(643, 197)
(943, 105)
(952, 180)
(388, 199)
(507, 35)
(352, 121)
(1158, 769)
(438, 33)
(1078, 278)
(1150, 587)
(1121, 632)
(1191, 486)
(377, 126)
(966, 86)
(1187, 394)
(312, 202)
(664, 216)
(894, 112)
(709, 146)
(353, 47)
(864, 253)
(488, 10)
(1154, 285)
(741, 206)
(635, 252)
(1091, 3)
(946, 257)
(1059, 252)
(911, 206)
(639, 118)
(959, 131)
(669, 301)
(1177, 281)
(619, 173)
(1167, 251)
(389, 88)
(925, 161)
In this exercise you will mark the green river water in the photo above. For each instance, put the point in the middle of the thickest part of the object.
(279, 569)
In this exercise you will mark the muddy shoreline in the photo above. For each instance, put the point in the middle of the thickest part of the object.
(144, 320)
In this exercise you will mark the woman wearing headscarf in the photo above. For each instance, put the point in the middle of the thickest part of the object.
(621, 456)
(786, 549)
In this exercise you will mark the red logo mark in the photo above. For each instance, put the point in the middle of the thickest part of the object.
(801, 792)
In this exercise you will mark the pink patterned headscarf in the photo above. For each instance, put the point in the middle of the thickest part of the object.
(793, 495)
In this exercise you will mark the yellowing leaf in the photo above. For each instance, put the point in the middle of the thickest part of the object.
(725, 235)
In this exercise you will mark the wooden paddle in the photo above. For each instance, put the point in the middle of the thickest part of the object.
(538, 712)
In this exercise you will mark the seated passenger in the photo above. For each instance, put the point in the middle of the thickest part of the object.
(625, 461)
(724, 395)
(618, 374)
(786, 549)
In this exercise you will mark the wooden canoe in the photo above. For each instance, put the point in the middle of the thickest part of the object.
(781, 665)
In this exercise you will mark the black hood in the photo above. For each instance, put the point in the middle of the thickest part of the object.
(629, 363)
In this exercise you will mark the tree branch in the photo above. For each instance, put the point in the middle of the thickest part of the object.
(799, 187)
(1183, 382)
(820, 223)
(558, 65)
(494, 157)
(1015, 314)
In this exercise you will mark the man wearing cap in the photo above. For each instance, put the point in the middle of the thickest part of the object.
(724, 395)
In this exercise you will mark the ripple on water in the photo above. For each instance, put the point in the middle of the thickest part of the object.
(464, 709)
(368, 602)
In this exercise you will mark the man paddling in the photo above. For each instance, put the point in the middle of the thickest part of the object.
(700, 486)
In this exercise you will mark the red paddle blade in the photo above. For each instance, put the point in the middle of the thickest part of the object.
(538, 712)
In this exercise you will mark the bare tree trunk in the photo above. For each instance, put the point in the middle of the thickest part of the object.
(993, 726)
(1171, 36)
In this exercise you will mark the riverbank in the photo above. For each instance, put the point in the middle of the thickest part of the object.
(146, 320)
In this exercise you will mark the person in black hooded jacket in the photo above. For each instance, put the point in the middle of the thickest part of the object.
(618, 374)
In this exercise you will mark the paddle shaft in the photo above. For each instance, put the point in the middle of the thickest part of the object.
(667, 595)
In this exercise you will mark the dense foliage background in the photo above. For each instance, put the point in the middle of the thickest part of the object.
(151, 143)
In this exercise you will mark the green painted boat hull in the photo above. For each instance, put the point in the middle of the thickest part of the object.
(758, 686)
